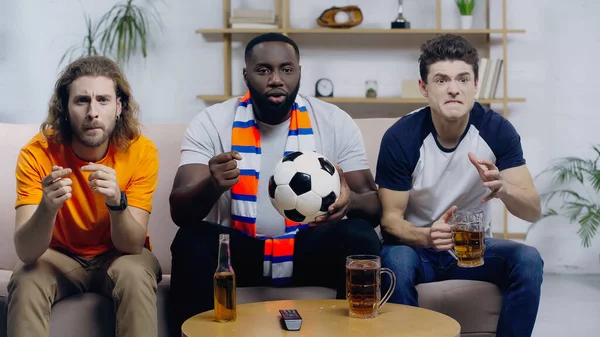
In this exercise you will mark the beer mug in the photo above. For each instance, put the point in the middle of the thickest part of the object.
(468, 234)
(363, 285)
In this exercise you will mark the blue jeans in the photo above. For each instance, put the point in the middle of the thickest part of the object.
(514, 267)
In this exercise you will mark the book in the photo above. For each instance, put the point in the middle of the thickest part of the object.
(254, 26)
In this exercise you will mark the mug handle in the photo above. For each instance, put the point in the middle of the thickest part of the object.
(388, 294)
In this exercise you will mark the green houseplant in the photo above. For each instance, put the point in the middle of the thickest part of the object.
(465, 7)
(119, 33)
(579, 206)
(87, 47)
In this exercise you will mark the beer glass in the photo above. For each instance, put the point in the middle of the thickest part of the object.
(363, 285)
(468, 234)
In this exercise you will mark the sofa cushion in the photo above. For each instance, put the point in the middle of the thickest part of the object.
(162, 230)
(260, 294)
(474, 304)
(85, 314)
(14, 137)
(4, 278)
(372, 130)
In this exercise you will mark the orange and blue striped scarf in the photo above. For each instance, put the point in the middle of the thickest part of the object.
(279, 250)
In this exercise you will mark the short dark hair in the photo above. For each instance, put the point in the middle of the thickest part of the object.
(270, 37)
(447, 47)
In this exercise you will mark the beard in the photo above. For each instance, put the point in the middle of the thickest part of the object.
(269, 112)
(100, 136)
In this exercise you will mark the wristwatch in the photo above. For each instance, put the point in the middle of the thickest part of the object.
(122, 205)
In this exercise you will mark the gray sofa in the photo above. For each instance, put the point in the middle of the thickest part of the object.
(475, 305)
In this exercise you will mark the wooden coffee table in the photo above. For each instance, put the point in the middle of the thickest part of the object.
(324, 318)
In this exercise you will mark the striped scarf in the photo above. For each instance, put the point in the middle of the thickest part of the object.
(279, 250)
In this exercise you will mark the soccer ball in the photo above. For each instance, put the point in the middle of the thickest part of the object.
(303, 186)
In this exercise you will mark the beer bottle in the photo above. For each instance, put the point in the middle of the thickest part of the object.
(224, 284)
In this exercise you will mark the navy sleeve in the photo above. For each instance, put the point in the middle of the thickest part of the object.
(393, 171)
(505, 142)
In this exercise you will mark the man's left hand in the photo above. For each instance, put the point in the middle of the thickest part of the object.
(340, 207)
(491, 177)
(103, 180)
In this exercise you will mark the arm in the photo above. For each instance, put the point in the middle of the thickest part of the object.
(393, 205)
(508, 177)
(193, 195)
(520, 196)
(34, 223)
(203, 175)
(197, 187)
(358, 191)
(438, 236)
(33, 231)
(514, 186)
(364, 201)
(128, 229)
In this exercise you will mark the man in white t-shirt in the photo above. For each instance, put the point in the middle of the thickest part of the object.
(455, 155)
(227, 147)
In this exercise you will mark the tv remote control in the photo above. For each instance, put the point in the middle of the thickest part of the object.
(290, 319)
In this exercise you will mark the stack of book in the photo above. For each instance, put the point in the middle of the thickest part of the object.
(489, 75)
(253, 19)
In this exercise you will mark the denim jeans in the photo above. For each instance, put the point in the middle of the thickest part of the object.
(514, 267)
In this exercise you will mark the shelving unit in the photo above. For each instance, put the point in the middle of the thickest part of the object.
(282, 12)
(384, 100)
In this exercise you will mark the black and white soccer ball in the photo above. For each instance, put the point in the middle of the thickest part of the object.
(303, 186)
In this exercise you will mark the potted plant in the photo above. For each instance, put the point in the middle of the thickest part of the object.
(465, 8)
(119, 33)
(88, 46)
(581, 205)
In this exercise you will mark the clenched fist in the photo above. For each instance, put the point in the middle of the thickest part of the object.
(103, 180)
(224, 170)
(440, 233)
(56, 189)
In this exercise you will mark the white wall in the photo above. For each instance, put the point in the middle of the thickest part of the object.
(552, 65)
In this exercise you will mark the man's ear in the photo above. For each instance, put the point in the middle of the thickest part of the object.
(119, 107)
(423, 88)
(245, 75)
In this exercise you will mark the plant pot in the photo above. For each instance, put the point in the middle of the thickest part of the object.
(466, 21)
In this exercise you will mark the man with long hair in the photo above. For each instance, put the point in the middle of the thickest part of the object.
(84, 195)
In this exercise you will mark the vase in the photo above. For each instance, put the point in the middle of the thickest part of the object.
(371, 88)
(466, 21)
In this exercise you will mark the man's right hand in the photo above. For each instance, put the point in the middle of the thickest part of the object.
(56, 189)
(440, 233)
(224, 170)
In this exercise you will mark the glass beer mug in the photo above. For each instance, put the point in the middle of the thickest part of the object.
(468, 234)
(363, 285)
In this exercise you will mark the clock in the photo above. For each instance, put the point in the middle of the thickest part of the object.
(324, 88)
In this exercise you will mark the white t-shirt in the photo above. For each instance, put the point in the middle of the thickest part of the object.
(411, 159)
(337, 137)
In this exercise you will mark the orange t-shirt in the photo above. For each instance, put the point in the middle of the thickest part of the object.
(82, 224)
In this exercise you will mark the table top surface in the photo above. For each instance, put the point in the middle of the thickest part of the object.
(324, 318)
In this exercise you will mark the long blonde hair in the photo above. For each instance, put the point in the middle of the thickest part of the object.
(56, 127)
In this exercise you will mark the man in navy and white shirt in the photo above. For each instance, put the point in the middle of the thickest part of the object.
(455, 154)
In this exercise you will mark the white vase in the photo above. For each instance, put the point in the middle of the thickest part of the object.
(466, 21)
